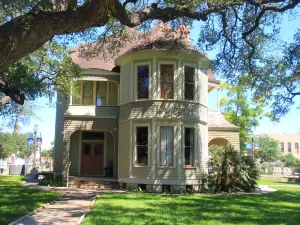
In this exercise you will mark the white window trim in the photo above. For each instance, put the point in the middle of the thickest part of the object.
(134, 153)
(195, 146)
(143, 63)
(175, 97)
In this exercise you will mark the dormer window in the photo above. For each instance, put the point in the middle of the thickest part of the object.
(142, 81)
(167, 81)
(189, 83)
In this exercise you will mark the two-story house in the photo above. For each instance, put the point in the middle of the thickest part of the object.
(142, 115)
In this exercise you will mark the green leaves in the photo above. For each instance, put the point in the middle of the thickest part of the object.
(14, 144)
(231, 171)
(269, 150)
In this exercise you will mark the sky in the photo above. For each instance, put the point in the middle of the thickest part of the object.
(287, 124)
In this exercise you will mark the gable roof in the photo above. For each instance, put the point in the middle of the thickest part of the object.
(161, 37)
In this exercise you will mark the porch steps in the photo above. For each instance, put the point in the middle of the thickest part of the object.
(91, 183)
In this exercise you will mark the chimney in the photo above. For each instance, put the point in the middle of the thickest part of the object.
(184, 32)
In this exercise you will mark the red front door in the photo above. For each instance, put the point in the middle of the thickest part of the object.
(92, 159)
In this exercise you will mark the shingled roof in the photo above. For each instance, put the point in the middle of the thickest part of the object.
(217, 120)
(161, 37)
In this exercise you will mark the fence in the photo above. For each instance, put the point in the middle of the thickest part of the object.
(24, 169)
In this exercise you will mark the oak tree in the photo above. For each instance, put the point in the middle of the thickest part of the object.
(242, 31)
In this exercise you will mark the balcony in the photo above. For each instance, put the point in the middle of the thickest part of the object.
(93, 111)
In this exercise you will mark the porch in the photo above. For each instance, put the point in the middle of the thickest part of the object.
(93, 156)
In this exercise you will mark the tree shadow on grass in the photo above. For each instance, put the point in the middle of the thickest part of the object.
(15, 201)
(282, 207)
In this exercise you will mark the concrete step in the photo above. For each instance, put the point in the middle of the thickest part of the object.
(93, 184)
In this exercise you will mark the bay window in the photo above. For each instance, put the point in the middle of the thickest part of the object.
(166, 146)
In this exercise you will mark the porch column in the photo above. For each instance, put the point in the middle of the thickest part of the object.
(115, 160)
(65, 154)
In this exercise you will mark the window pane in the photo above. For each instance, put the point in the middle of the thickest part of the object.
(167, 91)
(189, 134)
(142, 145)
(188, 156)
(113, 93)
(167, 81)
(143, 81)
(87, 149)
(142, 135)
(87, 93)
(101, 93)
(189, 73)
(166, 145)
(142, 155)
(189, 91)
(167, 73)
(98, 150)
(76, 98)
(189, 85)
(296, 145)
(93, 136)
(289, 147)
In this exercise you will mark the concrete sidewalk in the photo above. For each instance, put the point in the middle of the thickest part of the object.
(69, 209)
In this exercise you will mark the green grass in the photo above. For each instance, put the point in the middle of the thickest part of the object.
(15, 201)
(282, 207)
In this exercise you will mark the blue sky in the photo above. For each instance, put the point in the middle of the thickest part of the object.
(46, 124)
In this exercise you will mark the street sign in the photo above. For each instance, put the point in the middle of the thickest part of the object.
(249, 146)
(39, 141)
(256, 146)
(30, 141)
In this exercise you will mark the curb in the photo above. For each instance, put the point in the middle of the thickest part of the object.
(87, 211)
(36, 210)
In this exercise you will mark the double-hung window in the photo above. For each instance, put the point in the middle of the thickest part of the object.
(142, 81)
(167, 81)
(189, 146)
(189, 83)
(142, 146)
(166, 146)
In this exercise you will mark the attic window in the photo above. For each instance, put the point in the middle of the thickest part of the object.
(143, 81)
(166, 81)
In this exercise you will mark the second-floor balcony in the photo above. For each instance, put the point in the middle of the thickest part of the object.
(94, 98)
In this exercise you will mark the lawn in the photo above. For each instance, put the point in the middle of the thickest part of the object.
(282, 207)
(15, 201)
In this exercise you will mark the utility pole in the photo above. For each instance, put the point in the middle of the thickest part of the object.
(34, 147)
(40, 150)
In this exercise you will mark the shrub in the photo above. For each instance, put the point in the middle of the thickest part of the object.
(231, 171)
(49, 179)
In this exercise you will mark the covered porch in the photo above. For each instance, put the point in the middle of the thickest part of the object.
(90, 148)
